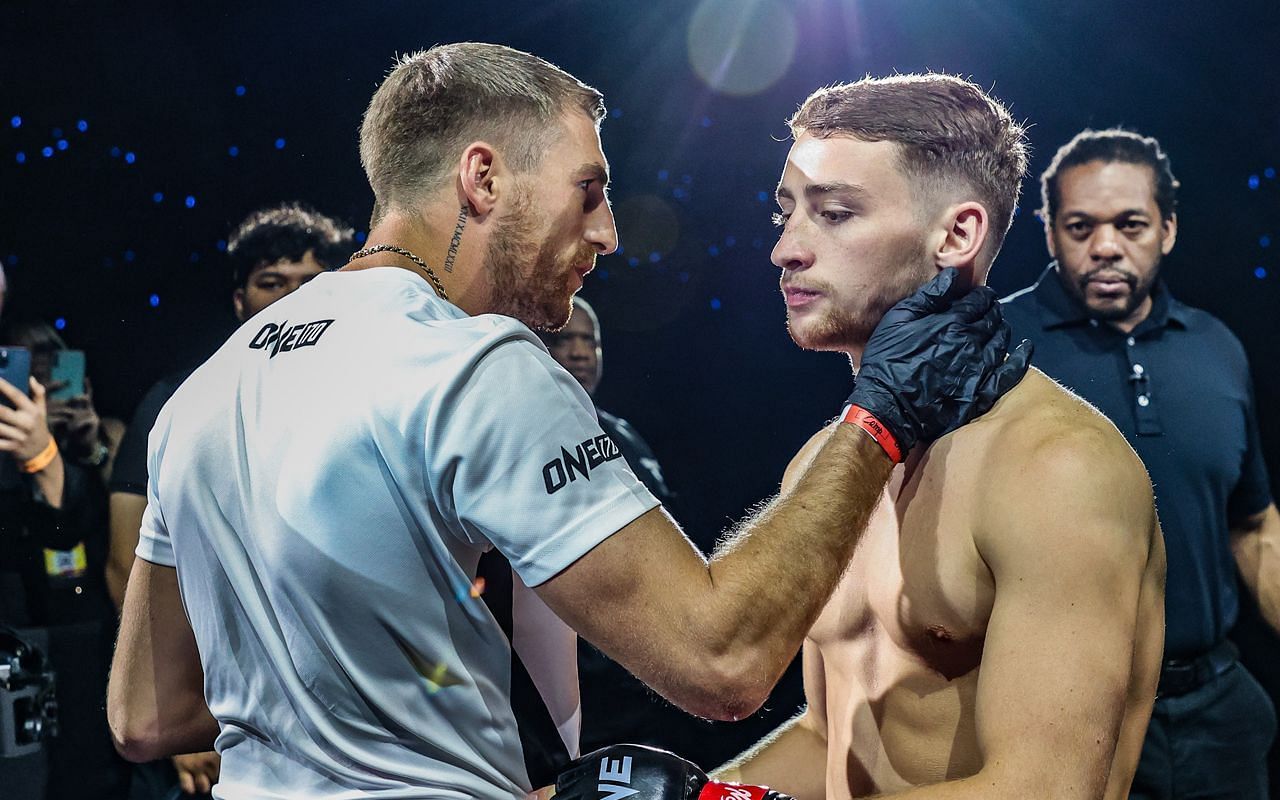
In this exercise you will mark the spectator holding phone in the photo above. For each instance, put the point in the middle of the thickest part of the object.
(53, 536)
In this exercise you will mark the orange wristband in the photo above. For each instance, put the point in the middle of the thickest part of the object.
(44, 459)
(856, 415)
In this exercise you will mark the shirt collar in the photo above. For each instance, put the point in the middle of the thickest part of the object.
(1058, 309)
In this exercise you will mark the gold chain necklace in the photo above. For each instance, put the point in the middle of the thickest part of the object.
(390, 248)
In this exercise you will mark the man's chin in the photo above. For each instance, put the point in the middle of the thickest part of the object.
(818, 333)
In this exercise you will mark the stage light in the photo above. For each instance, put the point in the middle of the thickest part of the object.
(662, 174)
(1260, 273)
(129, 158)
(82, 126)
(1270, 172)
(233, 151)
(158, 197)
(57, 133)
(280, 143)
(1264, 241)
(713, 251)
(60, 323)
(221, 245)
(240, 90)
(361, 236)
(46, 151)
(115, 152)
(741, 48)
(633, 262)
(129, 255)
(190, 201)
(1253, 181)
(21, 157)
(154, 300)
(715, 304)
(62, 144)
(15, 121)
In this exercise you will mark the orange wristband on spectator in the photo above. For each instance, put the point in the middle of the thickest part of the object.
(44, 459)
(855, 415)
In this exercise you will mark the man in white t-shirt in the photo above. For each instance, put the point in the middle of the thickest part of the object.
(329, 488)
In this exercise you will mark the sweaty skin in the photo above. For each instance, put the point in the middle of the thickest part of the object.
(1000, 627)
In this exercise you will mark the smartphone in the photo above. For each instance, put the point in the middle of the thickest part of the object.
(68, 368)
(15, 367)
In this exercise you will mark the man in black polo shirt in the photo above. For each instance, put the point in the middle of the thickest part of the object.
(1176, 383)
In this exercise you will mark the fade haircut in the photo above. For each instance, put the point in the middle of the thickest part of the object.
(1112, 144)
(286, 233)
(948, 130)
(435, 102)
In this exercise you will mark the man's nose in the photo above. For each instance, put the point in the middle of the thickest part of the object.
(790, 253)
(1105, 244)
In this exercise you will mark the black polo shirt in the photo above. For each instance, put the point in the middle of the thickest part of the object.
(1178, 388)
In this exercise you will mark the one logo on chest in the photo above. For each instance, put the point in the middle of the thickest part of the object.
(283, 337)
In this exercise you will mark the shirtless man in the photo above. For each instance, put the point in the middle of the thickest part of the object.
(999, 630)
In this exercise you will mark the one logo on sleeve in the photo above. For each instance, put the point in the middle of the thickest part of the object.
(578, 463)
(283, 337)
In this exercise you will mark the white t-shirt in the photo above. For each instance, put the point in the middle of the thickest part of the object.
(325, 485)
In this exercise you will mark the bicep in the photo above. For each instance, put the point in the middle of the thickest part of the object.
(1058, 660)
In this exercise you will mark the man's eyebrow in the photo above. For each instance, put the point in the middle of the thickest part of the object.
(817, 189)
(595, 171)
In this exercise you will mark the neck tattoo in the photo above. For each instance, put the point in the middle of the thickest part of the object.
(390, 248)
(456, 240)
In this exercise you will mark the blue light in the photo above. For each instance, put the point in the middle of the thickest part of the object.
(763, 197)
(46, 151)
(1269, 172)
(82, 126)
(115, 152)
(619, 250)
(679, 193)
(706, 122)
(194, 257)
(1260, 273)
(730, 241)
(12, 260)
(62, 144)
(233, 151)
(1253, 181)
(715, 304)
(615, 113)
(221, 244)
(683, 277)
(1264, 241)
(129, 255)
(60, 323)
(633, 262)
(154, 300)
(21, 157)
(662, 174)
(57, 133)
(713, 250)
(190, 201)
(240, 90)
(602, 274)
(129, 158)
(15, 121)
(361, 236)
(655, 257)
(686, 179)
(158, 197)
(280, 143)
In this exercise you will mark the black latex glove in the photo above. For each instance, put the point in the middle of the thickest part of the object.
(937, 360)
(646, 773)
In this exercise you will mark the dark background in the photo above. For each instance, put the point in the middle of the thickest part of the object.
(696, 353)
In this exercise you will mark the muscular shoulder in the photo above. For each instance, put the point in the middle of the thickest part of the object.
(1052, 466)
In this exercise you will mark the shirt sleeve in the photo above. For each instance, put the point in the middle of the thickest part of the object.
(153, 537)
(516, 454)
(1253, 493)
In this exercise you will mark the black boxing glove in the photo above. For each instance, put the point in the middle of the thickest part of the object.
(936, 361)
(638, 772)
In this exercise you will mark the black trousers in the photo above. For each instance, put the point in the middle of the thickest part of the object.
(1209, 743)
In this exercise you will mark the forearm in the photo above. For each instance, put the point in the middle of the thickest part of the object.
(769, 582)
(51, 481)
(793, 759)
(126, 510)
(1257, 550)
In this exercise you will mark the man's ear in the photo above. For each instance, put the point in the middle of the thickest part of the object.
(1048, 238)
(237, 301)
(1168, 234)
(967, 226)
(481, 177)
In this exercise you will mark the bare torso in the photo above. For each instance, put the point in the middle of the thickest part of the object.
(899, 647)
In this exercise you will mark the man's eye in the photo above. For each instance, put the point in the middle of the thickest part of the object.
(1076, 227)
(1132, 225)
(832, 215)
(780, 219)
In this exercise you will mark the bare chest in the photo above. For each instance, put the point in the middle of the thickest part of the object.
(901, 642)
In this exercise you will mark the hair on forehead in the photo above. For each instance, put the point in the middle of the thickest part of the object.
(436, 101)
(948, 131)
(1106, 146)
